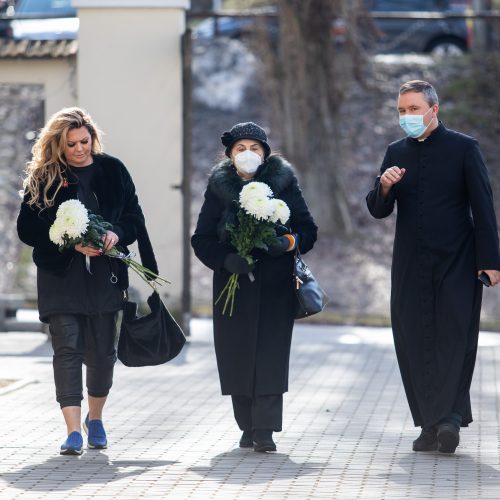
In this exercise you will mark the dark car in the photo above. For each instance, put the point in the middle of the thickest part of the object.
(435, 36)
(237, 27)
(43, 20)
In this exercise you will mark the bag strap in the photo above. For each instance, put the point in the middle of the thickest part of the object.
(297, 249)
(297, 259)
(145, 247)
(146, 255)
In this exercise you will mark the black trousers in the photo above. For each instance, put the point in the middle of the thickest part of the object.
(78, 339)
(259, 412)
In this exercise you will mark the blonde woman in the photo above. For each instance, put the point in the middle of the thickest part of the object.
(80, 290)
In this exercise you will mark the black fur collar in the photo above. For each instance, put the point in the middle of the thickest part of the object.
(276, 172)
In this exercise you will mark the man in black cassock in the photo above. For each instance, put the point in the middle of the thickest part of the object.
(446, 236)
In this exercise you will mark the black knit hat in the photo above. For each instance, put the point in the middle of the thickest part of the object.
(247, 130)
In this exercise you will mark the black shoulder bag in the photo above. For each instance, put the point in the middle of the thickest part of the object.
(149, 340)
(310, 298)
(152, 339)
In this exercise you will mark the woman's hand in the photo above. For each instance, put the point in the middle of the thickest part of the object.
(89, 250)
(236, 264)
(284, 244)
(110, 239)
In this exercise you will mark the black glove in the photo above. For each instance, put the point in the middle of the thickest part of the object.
(279, 247)
(236, 264)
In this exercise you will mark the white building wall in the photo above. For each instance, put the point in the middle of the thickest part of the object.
(130, 81)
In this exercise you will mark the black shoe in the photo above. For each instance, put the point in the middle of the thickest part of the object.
(448, 436)
(263, 440)
(427, 441)
(246, 440)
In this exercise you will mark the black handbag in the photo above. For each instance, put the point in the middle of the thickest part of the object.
(149, 340)
(310, 298)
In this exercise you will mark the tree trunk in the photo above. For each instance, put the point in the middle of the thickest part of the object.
(306, 92)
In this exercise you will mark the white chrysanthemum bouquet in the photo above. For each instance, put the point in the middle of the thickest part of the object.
(76, 224)
(258, 215)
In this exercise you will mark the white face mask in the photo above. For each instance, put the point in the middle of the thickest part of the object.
(247, 162)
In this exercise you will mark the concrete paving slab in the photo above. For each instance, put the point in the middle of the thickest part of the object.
(347, 430)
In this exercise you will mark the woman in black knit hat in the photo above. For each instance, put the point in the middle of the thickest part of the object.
(253, 345)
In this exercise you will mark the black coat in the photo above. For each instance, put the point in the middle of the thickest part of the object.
(118, 204)
(446, 231)
(253, 346)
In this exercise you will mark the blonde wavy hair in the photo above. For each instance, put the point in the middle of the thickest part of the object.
(48, 165)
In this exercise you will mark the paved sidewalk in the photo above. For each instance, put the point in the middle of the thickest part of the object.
(347, 430)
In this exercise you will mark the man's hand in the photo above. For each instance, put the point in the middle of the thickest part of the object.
(493, 275)
(390, 177)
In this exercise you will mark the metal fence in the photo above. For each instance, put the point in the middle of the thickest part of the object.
(483, 26)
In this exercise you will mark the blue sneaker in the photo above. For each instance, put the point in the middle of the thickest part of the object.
(96, 433)
(73, 444)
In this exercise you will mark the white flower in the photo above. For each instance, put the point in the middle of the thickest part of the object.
(72, 219)
(259, 207)
(73, 208)
(56, 233)
(252, 190)
(281, 212)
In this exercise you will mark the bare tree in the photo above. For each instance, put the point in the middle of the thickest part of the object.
(307, 75)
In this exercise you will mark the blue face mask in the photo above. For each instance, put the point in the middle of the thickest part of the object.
(413, 125)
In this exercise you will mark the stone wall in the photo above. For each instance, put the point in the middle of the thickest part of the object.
(21, 116)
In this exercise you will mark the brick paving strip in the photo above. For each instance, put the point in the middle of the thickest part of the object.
(347, 430)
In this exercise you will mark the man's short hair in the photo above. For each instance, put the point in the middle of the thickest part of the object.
(422, 87)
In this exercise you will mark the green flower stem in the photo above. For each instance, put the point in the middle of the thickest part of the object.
(94, 235)
(234, 286)
(148, 276)
(229, 291)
